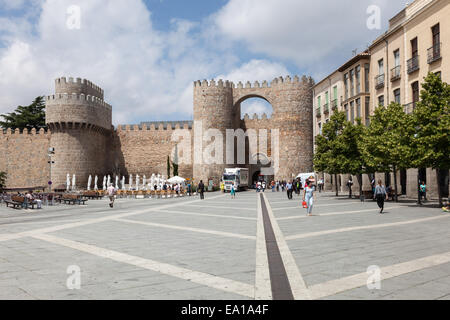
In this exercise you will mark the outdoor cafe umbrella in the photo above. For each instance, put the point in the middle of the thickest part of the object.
(176, 179)
(89, 183)
(95, 183)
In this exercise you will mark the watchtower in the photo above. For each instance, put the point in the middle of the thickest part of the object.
(80, 122)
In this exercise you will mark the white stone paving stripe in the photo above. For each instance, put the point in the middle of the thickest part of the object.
(298, 286)
(333, 287)
(263, 285)
(18, 235)
(220, 207)
(201, 278)
(169, 226)
(206, 214)
(333, 213)
(372, 226)
(315, 206)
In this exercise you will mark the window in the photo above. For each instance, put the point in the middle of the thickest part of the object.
(326, 97)
(346, 86)
(346, 111)
(318, 101)
(381, 100)
(397, 58)
(414, 47)
(415, 91)
(438, 74)
(436, 35)
(366, 76)
(352, 82)
(335, 92)
(320, 128)
(358, 79)
(380, 67)
(358, 108)
(367, 110)
(397, 95)
(352, 111)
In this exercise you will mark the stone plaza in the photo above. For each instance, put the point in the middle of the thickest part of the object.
(257, 246)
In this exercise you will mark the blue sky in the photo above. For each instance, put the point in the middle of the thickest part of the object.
(147, 53)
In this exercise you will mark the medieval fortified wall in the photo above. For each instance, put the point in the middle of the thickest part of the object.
(80, 129)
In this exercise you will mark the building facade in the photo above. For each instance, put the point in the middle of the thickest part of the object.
(416, 43)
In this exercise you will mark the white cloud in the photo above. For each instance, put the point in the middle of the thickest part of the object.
(146, 73)
(307, 33)
(256, 70)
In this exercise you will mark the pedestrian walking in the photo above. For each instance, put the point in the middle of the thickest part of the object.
(380, 195)
(233, 192)
(201, 189)
(320, 185)
(423, 191)
(111, 194)
(289, 190)
(308, 196)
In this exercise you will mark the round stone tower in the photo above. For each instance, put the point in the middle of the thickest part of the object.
(293, 115)
(213, 109)
(80, 122)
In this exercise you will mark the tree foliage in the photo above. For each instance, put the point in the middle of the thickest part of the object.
(26, 117)
(2, 180)
(432, 122)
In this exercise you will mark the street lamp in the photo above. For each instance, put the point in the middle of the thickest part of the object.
(51, 151)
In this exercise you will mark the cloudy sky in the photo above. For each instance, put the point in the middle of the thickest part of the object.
(146, 54)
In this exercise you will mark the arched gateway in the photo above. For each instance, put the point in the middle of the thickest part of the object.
(286, 137)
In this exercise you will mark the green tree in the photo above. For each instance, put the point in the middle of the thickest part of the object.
(168, 167)
(2, 180)
(175, 161)
(352, 158)
(328, 155)
(26, 117)
(387, 144)
(432, 122)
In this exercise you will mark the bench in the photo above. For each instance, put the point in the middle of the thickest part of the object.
(72, 198)
(18, 201)
(92, 195)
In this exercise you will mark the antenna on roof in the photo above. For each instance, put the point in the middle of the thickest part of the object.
(354, 52)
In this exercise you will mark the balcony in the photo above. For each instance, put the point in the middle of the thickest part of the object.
(325, 108)
(409, 108)
(395, 73)
(434, 53)
(413, 64)
(379, 81)
(334, 104)
(318, 113)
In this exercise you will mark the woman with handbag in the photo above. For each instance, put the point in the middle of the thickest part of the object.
(308, 197)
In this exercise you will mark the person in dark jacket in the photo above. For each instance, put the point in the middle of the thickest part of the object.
(201, 189)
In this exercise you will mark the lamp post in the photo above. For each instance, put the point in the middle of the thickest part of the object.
(51, 151)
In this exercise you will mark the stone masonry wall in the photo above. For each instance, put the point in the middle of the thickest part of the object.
(144, 151)
(23, 156)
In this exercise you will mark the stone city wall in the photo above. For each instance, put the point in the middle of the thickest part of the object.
(23, 156)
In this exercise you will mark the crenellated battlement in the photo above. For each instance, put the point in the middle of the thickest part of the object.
(248, 85)
(78, 85)
(25, 132)
(157, 126)
(74, 98)
(256, 117)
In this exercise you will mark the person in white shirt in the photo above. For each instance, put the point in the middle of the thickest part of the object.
(111, 194)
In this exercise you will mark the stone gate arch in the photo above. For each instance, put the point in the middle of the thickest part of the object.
(216, 104)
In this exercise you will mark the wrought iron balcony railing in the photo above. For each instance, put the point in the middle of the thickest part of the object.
(325, 108)
(413, 64)
(379, 81)
(318, 112)
(409, 108)
(334, 104)
(434, 53)
(395, 73)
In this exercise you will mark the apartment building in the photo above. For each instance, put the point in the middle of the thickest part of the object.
(417, 42)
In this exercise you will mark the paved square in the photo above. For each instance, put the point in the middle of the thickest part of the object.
(257, 246)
